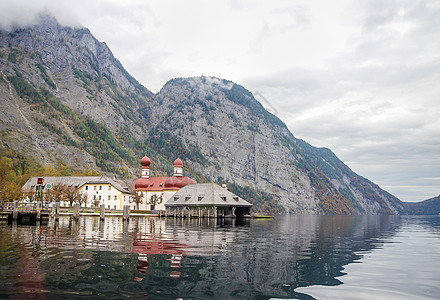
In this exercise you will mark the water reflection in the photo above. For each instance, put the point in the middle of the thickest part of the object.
(180, 258)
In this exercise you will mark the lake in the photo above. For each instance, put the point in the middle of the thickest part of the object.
(290, 257)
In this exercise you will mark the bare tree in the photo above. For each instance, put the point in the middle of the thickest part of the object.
(155, 199)
(83, 199)
(95, 201)
(136, 198)
(73, 195)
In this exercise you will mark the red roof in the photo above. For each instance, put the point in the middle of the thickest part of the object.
(178, 163)
(177, 182)
(161, 183)
(145, 161)
(150, 184)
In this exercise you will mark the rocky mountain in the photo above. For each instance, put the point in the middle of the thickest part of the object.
(237, 140)
(66, 99)
(61, 90)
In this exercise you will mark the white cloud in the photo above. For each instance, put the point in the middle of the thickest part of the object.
(359, 77)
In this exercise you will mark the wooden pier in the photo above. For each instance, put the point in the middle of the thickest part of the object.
(25, 213)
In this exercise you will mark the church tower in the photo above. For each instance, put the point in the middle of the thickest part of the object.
(145, 171)
(178, 167)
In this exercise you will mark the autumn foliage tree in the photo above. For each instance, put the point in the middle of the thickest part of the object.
(10, 190)
(57, 193)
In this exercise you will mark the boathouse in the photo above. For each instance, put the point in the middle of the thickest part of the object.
(207, 200)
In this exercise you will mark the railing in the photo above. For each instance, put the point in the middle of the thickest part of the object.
(7, 206)
(23, 206)
(89, 209)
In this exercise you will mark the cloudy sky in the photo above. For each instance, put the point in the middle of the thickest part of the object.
(359, 77)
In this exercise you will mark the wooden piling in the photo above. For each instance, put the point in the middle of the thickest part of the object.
(76, 211)
(39, 207)
(102, 211)
(57, 211)
(126, 213)
(15, 211)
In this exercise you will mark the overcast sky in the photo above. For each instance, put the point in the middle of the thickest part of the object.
(359, 77)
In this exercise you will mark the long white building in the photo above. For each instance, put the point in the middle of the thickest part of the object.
(98, 189)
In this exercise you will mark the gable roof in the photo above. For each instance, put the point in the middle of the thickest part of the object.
(206, 194)
(75, 181)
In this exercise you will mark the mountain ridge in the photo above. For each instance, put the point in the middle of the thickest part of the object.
(430, 206)
(67, 99)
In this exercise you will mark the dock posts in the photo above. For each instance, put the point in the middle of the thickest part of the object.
(57, 211)
(15, 211)
(126, 213)
(76, 211)
(39, 206)
(102, 211)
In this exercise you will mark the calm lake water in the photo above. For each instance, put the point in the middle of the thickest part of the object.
(294, 257)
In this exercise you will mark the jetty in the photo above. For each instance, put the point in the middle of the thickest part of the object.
(24, 212)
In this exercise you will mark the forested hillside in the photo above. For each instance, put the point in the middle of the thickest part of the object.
(427, 207)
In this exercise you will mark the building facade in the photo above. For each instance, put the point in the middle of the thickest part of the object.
(154, 192)
(94, 190)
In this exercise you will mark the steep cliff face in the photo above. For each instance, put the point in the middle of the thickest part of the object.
(241, 142)
(65, 98)
(49, 76)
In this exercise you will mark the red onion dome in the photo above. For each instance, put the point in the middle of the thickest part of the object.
(178, 182)
(178, 163)
(141, 184)
(145, 161)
